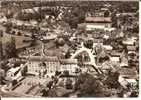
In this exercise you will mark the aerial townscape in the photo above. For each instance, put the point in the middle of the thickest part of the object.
(74, 48)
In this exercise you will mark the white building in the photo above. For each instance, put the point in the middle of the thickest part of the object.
(37, 64)
(69, 65)
(93, 23)
(13, 73)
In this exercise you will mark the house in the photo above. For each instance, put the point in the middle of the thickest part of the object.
(92, 27)
(98, 41)
(115, 56)
(69, 65)
(98, 19)
(13, 73)
(31, 11)
(131, 52)
(131, 48)
(110, 29)
(129, 42)
(128, 73)
(116, 59)
(93, 23)
(108, 47)
(133, 82)
(132, 56)
(97, 36)
(124, 62)
(38, 64)
(49, 36)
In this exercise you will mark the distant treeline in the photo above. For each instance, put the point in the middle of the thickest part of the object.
(126, 6)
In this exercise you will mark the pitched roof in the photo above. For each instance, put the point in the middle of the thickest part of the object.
(68, 61)
(45, 58)
(14, 69)
(128, 72)
(114, 53)
(98, 19)
(131, 48)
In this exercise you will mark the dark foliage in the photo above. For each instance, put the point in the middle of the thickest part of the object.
(88, 44)
(89, 86)
(10, 48)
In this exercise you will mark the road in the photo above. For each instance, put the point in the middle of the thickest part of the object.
(92, 57)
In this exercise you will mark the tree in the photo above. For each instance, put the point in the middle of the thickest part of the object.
(66, 73)
(89, 86)
(24, 70)
(14, 82)
(8, 26)
(112, 80)
(114, 19)
(106, 13)
(52, 93)
(57, 73)
(88, 44)
(44, 92)
(68, 54)
(59, 42)
(10, 48)
(136, 28)
(2, 75)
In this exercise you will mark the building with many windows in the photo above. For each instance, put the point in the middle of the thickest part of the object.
(93, 23)
(69, 65)
(43, 64)
(48, 65)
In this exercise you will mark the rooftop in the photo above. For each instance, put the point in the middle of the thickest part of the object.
(14, 69)
(44, 58)
(98, 19)
(68, 61)
(114, 53)
(128, 72)
(131, 48)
